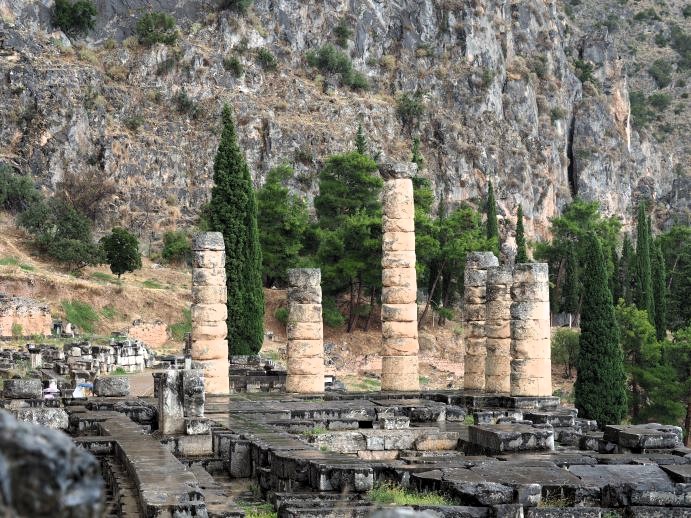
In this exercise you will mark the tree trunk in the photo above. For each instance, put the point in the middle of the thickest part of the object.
(429, 297)
(352, 308)
(356, 315)
(372, 300)
(636, 408)
(687, 421)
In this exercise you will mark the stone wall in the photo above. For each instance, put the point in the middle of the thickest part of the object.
(153, 334)
(209, 311)
(399, 281)
(305, 331)
(26, 316)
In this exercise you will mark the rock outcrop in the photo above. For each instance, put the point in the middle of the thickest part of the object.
(494, 89)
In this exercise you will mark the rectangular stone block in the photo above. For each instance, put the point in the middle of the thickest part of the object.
(193, 392)
(305, 383)
(474, 312)
(211, 331)
(475, 278)
(398, 295)
(309, 295)
(304, 277)
(209, 294)
(398, 259)
(530, 330)
(399, 277)
(533, 292)
(511, 438)
(398, 241)
(400, 347)
(399, 312)
(521, 349)
(209, 259)
(498, 311)
(209, 312)
(399, 330)
(530, 311)
(398, 198)
(498, 330)
(530, 272)
(216, 376)
(397, 224)
(304, 312)
(304, 331)
(208, 277)
(306, 366)
(305, 348)
(209, 349)
(498, 347)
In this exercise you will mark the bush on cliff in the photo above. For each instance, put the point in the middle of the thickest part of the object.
(74, 18)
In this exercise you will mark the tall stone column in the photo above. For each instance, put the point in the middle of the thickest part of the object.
(474, 312)
(498, 330)
(209, 312)
(531, 364)
(305, 332)
(399, 280)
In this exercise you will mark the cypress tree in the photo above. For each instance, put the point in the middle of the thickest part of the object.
(521, 252)
(233, 212)
(615, 280)
(360, 140)
(600, 387)
(644, 299)
(492, 225)
(571, 288)
(417, 156)
(626, 271)
(660, 291)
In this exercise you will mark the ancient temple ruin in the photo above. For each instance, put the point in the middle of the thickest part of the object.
(209, 311)
(399, 281)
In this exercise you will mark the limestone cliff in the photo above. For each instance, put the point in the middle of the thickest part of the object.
(496, 79)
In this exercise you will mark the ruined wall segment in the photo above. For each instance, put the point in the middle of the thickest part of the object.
(531, 364)
(474, 314)
(305, 332)
(24, 316)
(399, 280)
(209, 312)
(498, 330)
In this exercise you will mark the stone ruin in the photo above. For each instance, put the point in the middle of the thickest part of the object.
(503, 447)
(25, 316)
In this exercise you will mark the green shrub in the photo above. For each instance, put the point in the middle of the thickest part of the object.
(152, 284)
(17, 192)
(331, 316)
(584, 71)
(356, 80)
(240, 6)
(176, 247)
(17, 330)
(156, 27)
(661, 40)
(410, 108)
(648, 14)
(681, 42)
(232, 64)
(74, 18)
(80, 314)
(108, 312)
(641, 114)
(661, 71)
(266, 59)
(539, 66)
(389, 494)
(660, 101)
(686, 11)
(343, 32)
(565, 349)
(134, 122)
(331, 60)
(557, 114)
(103, 277)
(281, 315)
(186, 105)
(179, 330)
(167, 65)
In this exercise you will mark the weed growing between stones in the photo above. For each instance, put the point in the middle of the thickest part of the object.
(314, 432)
(390, 494)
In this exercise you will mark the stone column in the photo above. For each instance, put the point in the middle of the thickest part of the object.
(399, 281)
(531, 365)
(474, 312)
(498, 330)
(209, 312)
(305, 332)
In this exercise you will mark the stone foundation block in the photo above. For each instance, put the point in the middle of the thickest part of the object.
(398, 260)
(305, 312)
(305, 331)
(22, 389)
(305, 384)
(112, 386)
(399, 312)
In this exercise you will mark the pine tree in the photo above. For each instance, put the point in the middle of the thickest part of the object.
(521, 252)
(644, 288)
(601, 381)
(660, 291)
(233, 212)
(360, 140)
(492, 225)
(571, 283)
(626, 271)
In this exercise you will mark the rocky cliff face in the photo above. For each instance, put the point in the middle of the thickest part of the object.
(496, 80)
